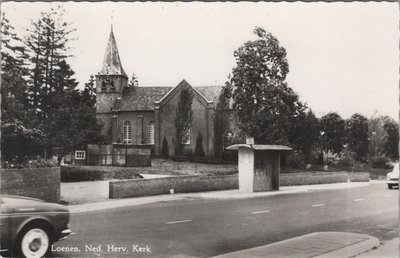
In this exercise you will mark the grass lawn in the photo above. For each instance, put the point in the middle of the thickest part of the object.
(170, 167)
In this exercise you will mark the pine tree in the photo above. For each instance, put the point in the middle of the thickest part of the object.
(89, 93)
(47, 45)
(20, 131)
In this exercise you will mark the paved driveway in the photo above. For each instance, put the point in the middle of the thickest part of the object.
(84, 192)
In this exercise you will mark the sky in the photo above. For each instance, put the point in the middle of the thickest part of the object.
(343, 57)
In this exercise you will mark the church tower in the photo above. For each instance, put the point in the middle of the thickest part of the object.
(110, 82)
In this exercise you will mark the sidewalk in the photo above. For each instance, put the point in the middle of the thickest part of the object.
(318, 244)
(389, 249)
(228, 194)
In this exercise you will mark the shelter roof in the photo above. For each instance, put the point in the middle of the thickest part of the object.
(260, 147)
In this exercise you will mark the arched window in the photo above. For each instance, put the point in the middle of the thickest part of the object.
(187, 136)
(127, 132)
(151, 133)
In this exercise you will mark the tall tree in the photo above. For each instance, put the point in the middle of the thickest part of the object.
(263, 103)
(391, 147)
(377, 137)
(221, 119)
(304, 133)
(332, 132)
(73, 127)
(89, 93)
(47, 45)
(183, 120)
(356, 135)
(20, 132)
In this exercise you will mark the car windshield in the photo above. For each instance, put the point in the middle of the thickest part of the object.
(396, 168)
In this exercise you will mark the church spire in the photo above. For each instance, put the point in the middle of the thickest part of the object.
(112, 62)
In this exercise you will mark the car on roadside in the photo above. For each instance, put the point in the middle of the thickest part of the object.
(30, 226)
(392, 178)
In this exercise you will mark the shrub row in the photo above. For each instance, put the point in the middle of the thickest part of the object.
(86, 173)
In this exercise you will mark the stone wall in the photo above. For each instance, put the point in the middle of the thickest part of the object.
(184, 184)
(41, 183)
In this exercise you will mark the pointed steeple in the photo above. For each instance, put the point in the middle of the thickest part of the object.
(112, 62)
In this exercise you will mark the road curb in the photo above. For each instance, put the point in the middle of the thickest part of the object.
(317, 244)
(211, 195)
(355, 249)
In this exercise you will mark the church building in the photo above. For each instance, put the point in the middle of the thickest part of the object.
(146, 115)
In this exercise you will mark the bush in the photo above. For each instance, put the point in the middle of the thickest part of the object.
(30, 163)
(347, 159)
(380, 162)
(94, 173)
(199, 151)
(164, 148)
(295, 160)
(330, 158)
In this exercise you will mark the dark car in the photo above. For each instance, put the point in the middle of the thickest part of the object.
(30, 226)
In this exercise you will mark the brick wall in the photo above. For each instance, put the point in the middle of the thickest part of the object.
(199, 125)
(41, 183)
(184, 184)
(310, 178)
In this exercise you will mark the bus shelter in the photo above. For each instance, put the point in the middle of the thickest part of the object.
(259, 166)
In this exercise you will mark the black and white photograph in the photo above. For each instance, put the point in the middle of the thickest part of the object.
(200, 129)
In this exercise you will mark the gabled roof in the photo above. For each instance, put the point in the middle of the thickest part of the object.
(144, 98)
(140, 98)
(206, 94)
(211, 93)
(112, 63)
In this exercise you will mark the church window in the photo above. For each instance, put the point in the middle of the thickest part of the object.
(187, 137)
(151, 133)
(103, 87)
(127, 132)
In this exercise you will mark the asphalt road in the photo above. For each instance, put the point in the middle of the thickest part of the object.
(203, 228)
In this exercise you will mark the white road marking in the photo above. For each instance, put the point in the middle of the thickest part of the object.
(178, 221)
(358, 200)
(258, 212)
(318, 205)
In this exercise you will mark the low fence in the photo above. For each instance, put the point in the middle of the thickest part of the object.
(185, 184)
(41, 183)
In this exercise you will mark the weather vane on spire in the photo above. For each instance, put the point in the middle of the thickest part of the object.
(112, 19)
